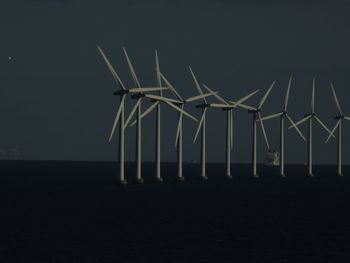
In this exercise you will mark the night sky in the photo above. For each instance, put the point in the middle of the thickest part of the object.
(56, 94)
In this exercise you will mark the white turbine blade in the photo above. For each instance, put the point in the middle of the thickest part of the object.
(172, 89)
(247, 97)
(217, 105)
(313, 96)
(131, 68)
(286, 98)
(111, 69)
(155, 97)
(263, 130)
(159, 80)
(336, 100)
(347, 118)
(200, 124)
(146, 112)
(262, 101)
(198, 97)
(332, 132)
(132, 112)
(323, 125)
(180, 110)
(300, 121)
(117, 116)
(179, 126)
(295, 127)
(215, 94)
(138, 90)
(197, 84)
(272, 116)
(243, 106)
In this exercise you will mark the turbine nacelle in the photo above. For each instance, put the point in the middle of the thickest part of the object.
(203, 105)
(341, 117)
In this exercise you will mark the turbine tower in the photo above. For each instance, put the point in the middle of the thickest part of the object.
(257, 118)
(283, 115)
(122, 92)
(310, 117)
(228, 107)
(340, 117)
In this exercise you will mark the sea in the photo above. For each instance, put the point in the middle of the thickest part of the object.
(65, 211)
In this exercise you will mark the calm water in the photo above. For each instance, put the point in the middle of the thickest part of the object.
(72, 212)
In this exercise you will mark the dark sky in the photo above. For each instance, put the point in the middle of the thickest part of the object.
(56, 94)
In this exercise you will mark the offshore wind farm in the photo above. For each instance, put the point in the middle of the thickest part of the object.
(227, 105)
(174, 131)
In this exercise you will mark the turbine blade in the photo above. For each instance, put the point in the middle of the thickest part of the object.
(295, 127)
(262, 101)
(286, 99)
(300, 121)
(139, 90)
(200, 124)
(179, 126)
(263, 130)
(217, 105)
(146, 112)
(117, 116)
(332, 132)
(323, 125)
(159, 80)
(132, 112)
(242, 106)
(155, 97)
(336, 100)
(197, 84)
(180, 110)
(111, 69)
(131, 68)
(198, 97)
(347, 118)
(247, 97)
(172, 89)
(272, 116)
(215, 94)
(313, 96)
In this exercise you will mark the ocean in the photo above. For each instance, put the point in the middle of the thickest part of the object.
(55, 211)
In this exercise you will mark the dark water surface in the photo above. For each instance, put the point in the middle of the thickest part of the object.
(73, 212)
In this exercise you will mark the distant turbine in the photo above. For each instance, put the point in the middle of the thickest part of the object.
(228, 107)
(120, 115)
(284, 115)
(179, 129)
(137, 107)
(157, 100)
(309, 117)
(338, 125)
(201, 127)
(179, 106)
(256, 118)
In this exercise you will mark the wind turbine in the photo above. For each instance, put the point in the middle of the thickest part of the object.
(122, 92)
(338, 126)
(284, 115)
(257, 118)
(179, 106)
(137, 107)
(310, 117)
(228, 107)
(201, 127)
